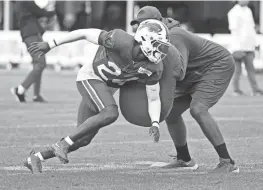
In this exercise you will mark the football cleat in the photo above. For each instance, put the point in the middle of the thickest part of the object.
(33, 163)
(257, 93)
(39, 99)
(226, 166)
(181, 164)
(18, 97)
(60, 149)
(238, 93)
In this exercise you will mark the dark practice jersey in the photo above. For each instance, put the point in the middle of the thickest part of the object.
(197, 54)
(113, 62)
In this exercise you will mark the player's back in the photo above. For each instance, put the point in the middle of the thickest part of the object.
(201, 52)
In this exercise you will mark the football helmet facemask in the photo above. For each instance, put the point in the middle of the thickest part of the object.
(152, 35)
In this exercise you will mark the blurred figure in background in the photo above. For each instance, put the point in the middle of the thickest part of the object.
(181, 13)
(83, 17)
(29, 13)
(242, 27)
(113, 18)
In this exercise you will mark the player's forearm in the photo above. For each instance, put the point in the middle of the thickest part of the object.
(154, 102)
(91, 35)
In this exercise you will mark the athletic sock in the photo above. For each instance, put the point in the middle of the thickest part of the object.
(183, 153)
(222, 151)
(44, 155)
(69, 141)
(21, 89)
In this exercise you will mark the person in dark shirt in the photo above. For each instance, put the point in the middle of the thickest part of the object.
(31, 31)
(206, 71)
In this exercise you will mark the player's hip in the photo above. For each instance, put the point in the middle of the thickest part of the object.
(221, 69)
(96, 94)
(87, 69)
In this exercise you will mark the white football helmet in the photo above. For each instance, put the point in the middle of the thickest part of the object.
(152, 35)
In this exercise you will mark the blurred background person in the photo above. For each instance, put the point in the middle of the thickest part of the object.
(29, 15)
(114, 17)
(83, 17)
(242, 27)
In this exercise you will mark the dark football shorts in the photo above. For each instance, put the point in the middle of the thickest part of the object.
(209, 86)
(96, 94)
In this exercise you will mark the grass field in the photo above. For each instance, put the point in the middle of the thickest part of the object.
(120, 155)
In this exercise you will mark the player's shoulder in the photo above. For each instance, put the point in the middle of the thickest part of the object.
(178, 31)
(120, 35)
(115, 39)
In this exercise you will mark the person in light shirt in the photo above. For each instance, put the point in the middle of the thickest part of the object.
(242, 27)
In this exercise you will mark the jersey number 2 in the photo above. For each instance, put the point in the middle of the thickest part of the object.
(115, 72)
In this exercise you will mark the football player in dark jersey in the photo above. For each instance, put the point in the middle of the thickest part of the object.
(207, 71)
(119, 57)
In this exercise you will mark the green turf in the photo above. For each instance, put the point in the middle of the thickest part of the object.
(120, 155)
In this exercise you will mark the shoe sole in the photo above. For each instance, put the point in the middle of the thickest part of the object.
(37, 163)
(12, 90)
(28, 166)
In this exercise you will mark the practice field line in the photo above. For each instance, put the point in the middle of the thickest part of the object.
(134, 142)
(52, 125)
(145, 166)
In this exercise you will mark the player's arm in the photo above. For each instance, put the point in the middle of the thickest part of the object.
(92, 35)
(154, 109)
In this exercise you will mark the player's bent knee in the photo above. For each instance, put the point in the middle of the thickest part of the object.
(197, 109)
(110, 114)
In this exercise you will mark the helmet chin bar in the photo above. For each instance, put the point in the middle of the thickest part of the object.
(155, 51)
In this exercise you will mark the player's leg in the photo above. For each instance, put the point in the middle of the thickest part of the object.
(84, 113)
(236, 78)
(177, 130)
(33, 162)
(34, 75)
(37, 83)
(102, 97)
(175, 122)
(251, 74)
(205, 94)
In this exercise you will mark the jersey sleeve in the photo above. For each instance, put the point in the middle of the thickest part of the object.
(182, 50)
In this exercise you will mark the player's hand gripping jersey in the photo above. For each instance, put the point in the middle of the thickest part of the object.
(113, 62)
